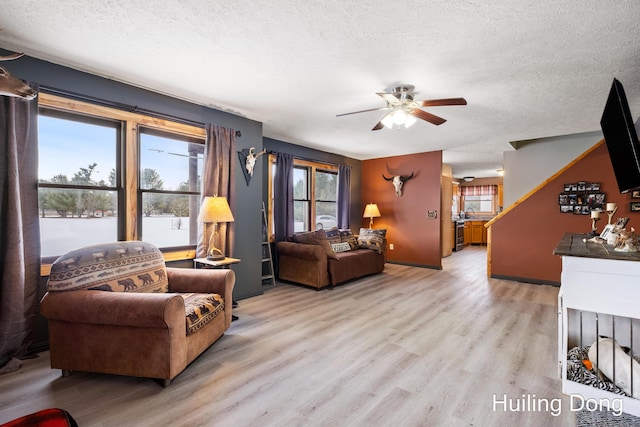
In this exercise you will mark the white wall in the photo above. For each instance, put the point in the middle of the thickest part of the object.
(538, 159)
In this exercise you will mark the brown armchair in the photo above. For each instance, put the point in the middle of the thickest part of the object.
(116, 309)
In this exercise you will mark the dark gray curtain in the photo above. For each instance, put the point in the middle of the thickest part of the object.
(218, 178)
(19, 225)
(344, 195)
(283, 197)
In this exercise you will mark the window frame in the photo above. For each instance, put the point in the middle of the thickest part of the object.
(142, 191)
(312, 166)
(129, 159)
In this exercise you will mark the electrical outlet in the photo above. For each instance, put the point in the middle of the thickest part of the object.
(390, 246)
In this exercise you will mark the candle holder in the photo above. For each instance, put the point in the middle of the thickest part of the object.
(595, 217)
(611, 210)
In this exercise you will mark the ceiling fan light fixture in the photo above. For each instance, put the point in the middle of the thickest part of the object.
(388, 121)
(399, 117)
(410, 121)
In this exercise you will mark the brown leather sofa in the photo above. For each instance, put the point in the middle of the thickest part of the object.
(313, 264)
(116, 309)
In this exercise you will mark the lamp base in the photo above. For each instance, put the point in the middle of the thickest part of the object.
(215, 257)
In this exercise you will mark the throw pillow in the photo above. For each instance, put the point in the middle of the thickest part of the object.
(341, 247)
(318, 238)
(371, 238)
(333, 235)
(346, 235)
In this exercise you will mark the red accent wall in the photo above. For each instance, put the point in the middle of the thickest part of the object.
(522, 241)
(415, 237)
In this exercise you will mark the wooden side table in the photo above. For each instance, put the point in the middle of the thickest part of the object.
(207, 263)
(223, 263)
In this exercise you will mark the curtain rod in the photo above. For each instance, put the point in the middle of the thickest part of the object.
(308, 159)
(121, 106)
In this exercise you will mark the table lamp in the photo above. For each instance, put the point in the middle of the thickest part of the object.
(371, 211)
(215, 209)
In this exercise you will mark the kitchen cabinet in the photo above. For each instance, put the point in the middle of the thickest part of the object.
(467, 233)
(478, 232)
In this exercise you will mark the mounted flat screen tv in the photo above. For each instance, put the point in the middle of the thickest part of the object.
(621, 139)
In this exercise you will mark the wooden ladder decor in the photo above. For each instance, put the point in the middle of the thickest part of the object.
(268, 276)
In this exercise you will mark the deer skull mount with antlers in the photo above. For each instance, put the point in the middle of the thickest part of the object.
(12, 86)
(248, 161)
(398, 182)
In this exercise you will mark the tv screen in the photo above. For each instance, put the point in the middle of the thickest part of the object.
(621, 139)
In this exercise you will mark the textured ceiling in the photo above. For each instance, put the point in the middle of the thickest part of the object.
(528, 68)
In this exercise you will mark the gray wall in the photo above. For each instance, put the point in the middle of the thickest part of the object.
(248, 205)
(538, 159)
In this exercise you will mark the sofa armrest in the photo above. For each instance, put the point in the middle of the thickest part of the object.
(302, 263)
(135, 309)
(217, 281)
(204, 281)
(302, 251)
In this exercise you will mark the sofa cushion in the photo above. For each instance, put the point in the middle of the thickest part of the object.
(131, 266)
(370, 238)
(200, 309)
(354, 264)
(318, 238)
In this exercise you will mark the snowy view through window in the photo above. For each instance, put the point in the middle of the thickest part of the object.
(82, 184)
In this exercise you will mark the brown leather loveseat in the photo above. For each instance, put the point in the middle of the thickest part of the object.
(115, 308)
(328, 258)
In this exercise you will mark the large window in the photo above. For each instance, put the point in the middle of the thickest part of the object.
(315, 191)
(107, 174)
(170, 174)
(78, 181)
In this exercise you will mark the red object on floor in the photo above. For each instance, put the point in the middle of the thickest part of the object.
(52, 417)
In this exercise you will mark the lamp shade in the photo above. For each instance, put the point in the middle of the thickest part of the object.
(215, 209)
(371, 211)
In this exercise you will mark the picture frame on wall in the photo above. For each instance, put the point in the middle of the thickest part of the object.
(581, 198)
(634, 206)
(635, 194)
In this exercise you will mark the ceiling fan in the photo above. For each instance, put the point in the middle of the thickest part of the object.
(405, 110)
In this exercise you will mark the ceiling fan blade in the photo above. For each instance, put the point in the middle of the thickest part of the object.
(442, 102)
(378, 126)
(427, 116)
(363, 111)
(390, 98)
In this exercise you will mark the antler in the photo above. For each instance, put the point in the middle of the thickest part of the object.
(12, 56)
(387, 179)
(406, 178)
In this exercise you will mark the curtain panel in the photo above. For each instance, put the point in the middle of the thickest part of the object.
(283, 197)
(344, 195)
(218, 180)
(19, 224)
(479, 190)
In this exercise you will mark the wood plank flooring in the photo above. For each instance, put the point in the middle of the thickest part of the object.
(408, 347)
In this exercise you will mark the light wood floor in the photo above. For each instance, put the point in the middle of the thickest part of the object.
(409, 347)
